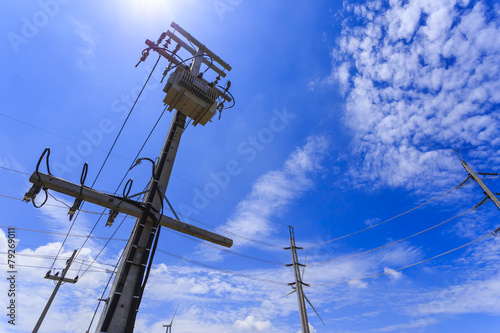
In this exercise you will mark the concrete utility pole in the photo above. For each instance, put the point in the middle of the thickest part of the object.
(120, 313)
(191, 96)
(60, 280)
(298, 282)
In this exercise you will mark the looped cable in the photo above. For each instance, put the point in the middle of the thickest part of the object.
(44, 201)
(147, 159)
(83, 176)
(84, 173)
(47, 150)
(125, 191)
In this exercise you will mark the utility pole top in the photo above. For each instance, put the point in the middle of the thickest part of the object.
(60, 280)
(187, 90)
(489, 195)
(481, 184)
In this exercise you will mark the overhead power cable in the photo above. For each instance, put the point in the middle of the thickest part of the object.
(102, 270)
(223, 270)
(17, 171)
(390, 219)
(185, 216)
(42, 256)
(119, 185)
(51, 205)
(226, 250)
(489, 234)
(52, 133)
(109, 153)
(61, 233)
(174, 176)
(395, 242)
(227, 232)
(102, 249)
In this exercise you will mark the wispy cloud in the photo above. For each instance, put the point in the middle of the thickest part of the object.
(88, 43)
(276, 190)
(419, 77)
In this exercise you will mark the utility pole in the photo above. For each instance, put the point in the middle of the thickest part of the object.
(120, 313)
(298, 282)
(489, 195)
(60, 280)
(191, 96)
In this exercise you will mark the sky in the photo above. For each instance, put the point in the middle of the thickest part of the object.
(345, 119)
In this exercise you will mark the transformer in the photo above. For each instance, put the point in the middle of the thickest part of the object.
(191, 95)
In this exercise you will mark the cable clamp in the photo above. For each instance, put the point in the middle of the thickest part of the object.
(31, 194)
(74, 208)
(112, 215)
(145, 54)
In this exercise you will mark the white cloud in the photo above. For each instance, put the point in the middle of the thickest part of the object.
(250, 324)
(393, 274)
(273, 192)
(89, 42)
(480, 296)
(419, 77)
(311, 329)
(419, 323)
(371, 221)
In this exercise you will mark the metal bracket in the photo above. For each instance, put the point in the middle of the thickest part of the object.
(112, 215)
(74, 208)
(33, 191)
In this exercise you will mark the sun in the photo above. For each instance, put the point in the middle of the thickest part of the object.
(152, 8)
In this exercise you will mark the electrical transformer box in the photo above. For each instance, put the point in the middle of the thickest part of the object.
(191, 95)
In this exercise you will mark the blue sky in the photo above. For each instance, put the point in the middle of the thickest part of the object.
(345, 117)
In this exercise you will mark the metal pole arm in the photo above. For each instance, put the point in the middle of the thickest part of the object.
(121, 205)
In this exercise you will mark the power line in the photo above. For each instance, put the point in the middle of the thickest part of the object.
(61, 233)
(226, 231)
(489, 234)
(227, 251)
(51, 205)
(223, 270)
(42, 256)
(102, 270)
(395, 242)
(104, 291)
(125, 176)
(102, 249)
(24, 173)
(55, 134)
(174, 176)
(390, 219)
(185, 216)
(230, 202)
(108, 154)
